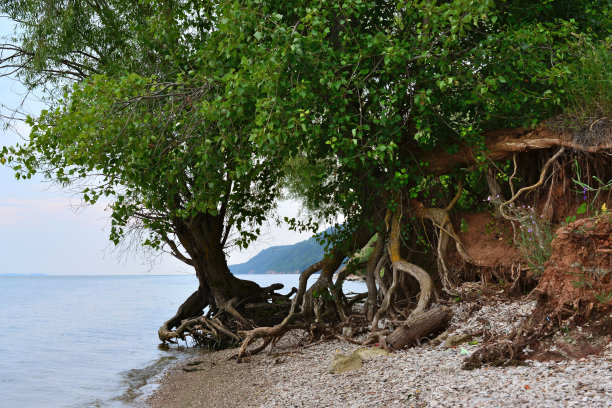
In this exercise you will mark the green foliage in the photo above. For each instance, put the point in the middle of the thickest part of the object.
(464, 226)
(603, 296)
(588, 93)
(175, 135)
(534, 244)
(589, 188)
(588, 278)
(188, 110)
(377, 81)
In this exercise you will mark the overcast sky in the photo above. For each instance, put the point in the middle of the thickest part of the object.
(40, 232)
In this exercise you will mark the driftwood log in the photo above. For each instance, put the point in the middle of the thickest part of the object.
(419, 326)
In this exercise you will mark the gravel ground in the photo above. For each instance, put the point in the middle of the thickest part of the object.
(423, 376)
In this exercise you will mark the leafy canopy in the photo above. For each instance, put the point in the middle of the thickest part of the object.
(169, 119)
(180, 108)
(374, 83)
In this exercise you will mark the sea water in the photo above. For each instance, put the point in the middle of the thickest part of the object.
(83, 341)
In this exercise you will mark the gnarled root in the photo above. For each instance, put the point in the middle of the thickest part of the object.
(305, 305)
(426, 283)
(192, 307)
(268, 334)
(372, 270)
(420, 322)
(206, 330)
(311, 307)
(222, 322)
(386, 302)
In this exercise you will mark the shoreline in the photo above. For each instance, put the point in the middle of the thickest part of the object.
(297, 375)
(213, 380)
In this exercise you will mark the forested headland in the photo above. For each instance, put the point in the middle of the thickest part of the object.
(459, 141)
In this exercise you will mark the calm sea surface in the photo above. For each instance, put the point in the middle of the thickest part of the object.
(83, 341)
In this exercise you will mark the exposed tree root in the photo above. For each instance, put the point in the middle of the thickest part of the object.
(504, 208)
(372, 270)
(268, 334)
(192, 307)
(503, 143)
(382, 281)
(309, 307)
(441, 219)
(421, 322)
(386, 302)
(221, 324)
(315, 307)
(426, 283)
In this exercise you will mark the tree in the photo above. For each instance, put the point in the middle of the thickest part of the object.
(400, 93)
(156, 117)
(372, 105)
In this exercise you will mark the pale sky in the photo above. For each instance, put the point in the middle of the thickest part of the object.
(40, 232)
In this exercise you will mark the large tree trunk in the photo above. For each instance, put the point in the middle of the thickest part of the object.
(202, 238)
(212, 271)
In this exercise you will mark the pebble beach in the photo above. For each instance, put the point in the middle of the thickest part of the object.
(429, 375)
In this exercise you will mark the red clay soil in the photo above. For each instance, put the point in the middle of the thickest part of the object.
(572, 317)
(577, 276)
(488, 240)
(576, 291)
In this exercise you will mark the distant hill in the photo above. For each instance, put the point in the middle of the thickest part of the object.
(282, 259)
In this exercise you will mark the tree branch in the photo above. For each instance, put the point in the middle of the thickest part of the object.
(177, 253)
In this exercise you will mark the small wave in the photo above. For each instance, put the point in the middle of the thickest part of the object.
(139, 383)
